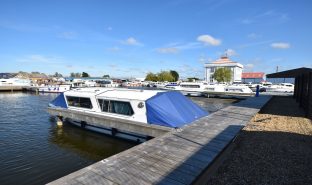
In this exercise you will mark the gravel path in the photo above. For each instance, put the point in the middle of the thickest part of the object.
(274, 148)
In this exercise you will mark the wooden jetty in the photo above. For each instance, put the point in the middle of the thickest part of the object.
(178, 157)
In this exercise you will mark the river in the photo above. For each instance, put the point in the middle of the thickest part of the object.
(34, 150)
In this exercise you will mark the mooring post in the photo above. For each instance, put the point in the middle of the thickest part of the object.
(257, 91)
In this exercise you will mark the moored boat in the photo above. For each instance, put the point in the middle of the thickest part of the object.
(168, 109)
(54, 88)
(282, 87)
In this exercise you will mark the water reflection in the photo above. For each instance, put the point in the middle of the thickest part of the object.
(91, 145)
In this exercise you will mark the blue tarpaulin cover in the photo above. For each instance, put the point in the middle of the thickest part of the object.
(59, 101)
(172, 109)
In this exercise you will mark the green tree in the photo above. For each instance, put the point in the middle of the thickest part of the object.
(165, 76)
(56, 74)
(106, 76)
(75, 75)
(151, 77)
(84, 74)
(223, 74)
(175, 75)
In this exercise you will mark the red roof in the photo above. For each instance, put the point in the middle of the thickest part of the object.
(223, 60)
(253, 75)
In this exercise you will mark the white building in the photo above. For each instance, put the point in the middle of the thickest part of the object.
(224, 61)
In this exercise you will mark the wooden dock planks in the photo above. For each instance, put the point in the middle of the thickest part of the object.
(177, 157)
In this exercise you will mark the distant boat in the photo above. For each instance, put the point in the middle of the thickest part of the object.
(231, 89)
(282, 87)
(169, 109)
(192, 88)
(15, 82)
(54, 88)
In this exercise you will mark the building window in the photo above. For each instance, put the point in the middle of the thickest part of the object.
(117, 107)
(79, 102)
(212, 70)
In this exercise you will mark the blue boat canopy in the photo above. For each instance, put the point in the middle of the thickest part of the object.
(59, 101)
(172, 109)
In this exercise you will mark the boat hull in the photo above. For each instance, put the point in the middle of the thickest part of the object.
(109, 131)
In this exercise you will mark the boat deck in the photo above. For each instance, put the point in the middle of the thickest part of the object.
(176, 158)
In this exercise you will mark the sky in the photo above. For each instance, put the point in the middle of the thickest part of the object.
(130, 38)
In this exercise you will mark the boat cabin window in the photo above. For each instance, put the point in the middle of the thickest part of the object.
(79, 102)
(117, 107)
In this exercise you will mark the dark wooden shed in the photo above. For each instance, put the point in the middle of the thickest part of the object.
(303, 86)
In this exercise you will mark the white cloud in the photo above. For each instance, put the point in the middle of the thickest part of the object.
(170, 50)
(68, 35)
(280, 45)
(267, 17)
(209, 40)
(109, 28)
(230, 52)
(254, 44)
(131, 41)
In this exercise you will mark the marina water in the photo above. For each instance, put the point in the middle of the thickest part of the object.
(34, 150)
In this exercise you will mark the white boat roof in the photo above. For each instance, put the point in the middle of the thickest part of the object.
(130, 94)
(85, 91)
(113, 93)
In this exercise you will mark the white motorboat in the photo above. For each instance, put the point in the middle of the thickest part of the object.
(169, 109)
(282, 87)
(192, 88)
(228, 90)
(107, 83)
(188, 88)
(54, 88)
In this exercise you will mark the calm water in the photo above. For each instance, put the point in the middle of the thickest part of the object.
(35, 151)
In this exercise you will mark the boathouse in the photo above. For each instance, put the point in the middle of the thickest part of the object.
(303, 86)
(225, 62)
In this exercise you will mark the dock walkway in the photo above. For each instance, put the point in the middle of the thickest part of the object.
(175, 158)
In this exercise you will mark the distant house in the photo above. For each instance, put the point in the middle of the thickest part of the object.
(254, 77)
(225, 62)
(33, 76)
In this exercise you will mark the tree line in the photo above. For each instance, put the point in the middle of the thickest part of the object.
(169, 76)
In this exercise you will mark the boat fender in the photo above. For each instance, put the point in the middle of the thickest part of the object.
(83, 124)
(114, 131)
